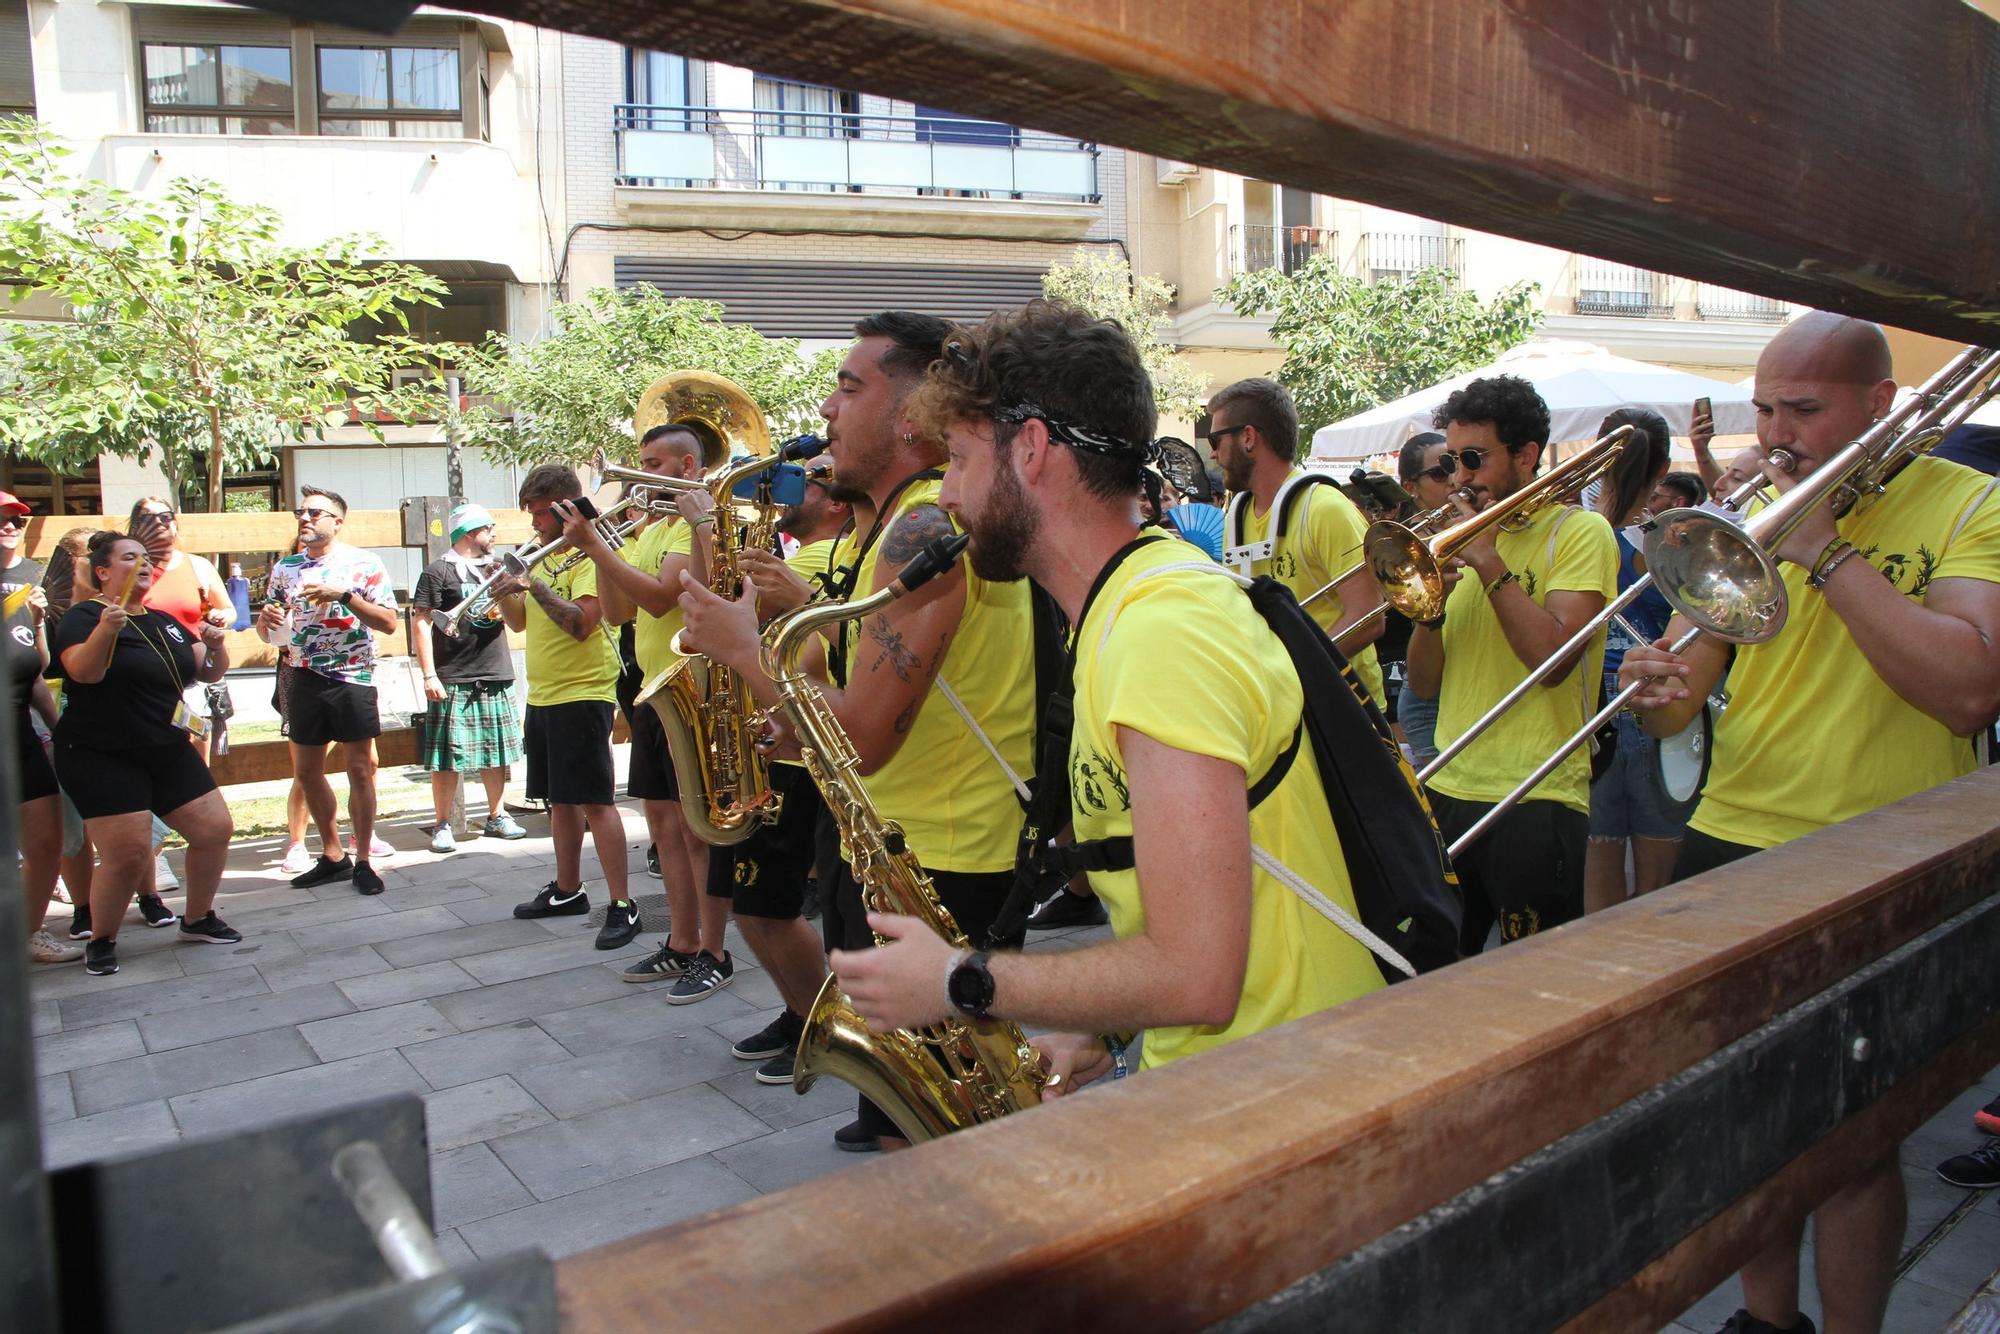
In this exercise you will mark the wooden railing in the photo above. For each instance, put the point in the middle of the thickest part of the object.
(214, 534)
(1584, 1130)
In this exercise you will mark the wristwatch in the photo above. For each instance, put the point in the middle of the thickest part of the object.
(970, 986)
(346, 598)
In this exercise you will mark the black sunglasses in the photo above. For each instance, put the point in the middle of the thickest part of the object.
(309, 513)
(1216, 433)
(1472, 460)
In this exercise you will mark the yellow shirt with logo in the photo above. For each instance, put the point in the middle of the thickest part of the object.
(1322, 542)
(653, 636)
(945, 789)
(1185, 659)
(1812, 735)
(1562, 551)
(562, 670)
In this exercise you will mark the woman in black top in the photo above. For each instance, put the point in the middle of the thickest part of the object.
(26, 655)
(121, 746)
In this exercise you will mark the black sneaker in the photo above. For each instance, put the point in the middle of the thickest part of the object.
(851, 1138)
(777, 1070)
(1745, 1323)
(325, 871)
(1978, 1170)
(156, 912)
(653, 860)
(101, 957)
(775, 1039)
(211, 930)
(1067, 909)
(809, 907)
(553, 902)
(661, 964)
(79, 922)
(365, 879)
(705, 976)
(621, 924)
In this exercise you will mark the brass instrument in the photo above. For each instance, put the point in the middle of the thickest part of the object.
(1411, 568)
(1721, 575)
(714, 407)
(929, 1081)
(480, 609)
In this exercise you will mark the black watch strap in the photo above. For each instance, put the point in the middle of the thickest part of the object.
(972, 986)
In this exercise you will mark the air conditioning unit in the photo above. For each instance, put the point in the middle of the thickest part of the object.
(1177, 173)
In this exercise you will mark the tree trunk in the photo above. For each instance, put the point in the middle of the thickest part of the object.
(454, 444)
(214, 459)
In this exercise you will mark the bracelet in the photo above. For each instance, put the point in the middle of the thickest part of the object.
(1116, 1046)
(696, 523)
(1505, 579)
(1436, 624)
(1822, 562)
(1819, 578)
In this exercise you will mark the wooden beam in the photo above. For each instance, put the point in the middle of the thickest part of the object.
(1838, 153)
(1188, 1194)
(210, 534)
(267, 761)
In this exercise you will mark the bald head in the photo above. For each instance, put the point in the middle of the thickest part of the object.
(1827, 348)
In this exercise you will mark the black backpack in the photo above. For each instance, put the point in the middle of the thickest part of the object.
(1404, 888)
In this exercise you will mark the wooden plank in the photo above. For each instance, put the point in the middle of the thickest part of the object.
(268, 761)
(211, 534)
(1834, 152)
(1186, 1195)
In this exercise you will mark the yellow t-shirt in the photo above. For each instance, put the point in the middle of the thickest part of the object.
(815, 562)
(956, 807)
(1812, 735)
(653, 636)
(1480, 666)
(1322, 542)
(1185, 659)
(560, 669)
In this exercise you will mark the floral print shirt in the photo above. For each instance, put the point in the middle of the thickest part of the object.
(331, 641)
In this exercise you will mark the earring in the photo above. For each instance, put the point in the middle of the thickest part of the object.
(909, 437)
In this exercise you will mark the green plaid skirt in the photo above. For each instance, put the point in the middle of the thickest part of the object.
(475, 726)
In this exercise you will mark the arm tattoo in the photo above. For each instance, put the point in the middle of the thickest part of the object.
(894, 651)
(913, 532)
(567, 616)
(907, 717)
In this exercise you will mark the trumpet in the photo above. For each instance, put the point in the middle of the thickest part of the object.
(479, 606)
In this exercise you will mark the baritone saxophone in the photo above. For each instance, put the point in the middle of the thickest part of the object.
(929, 1081)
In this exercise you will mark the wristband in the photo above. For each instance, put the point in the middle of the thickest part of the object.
(1505, 579)
(1827, 555)
(704, 519)
(346, 598)
(1818, 580)
(1116, 1046)
(1437, 624)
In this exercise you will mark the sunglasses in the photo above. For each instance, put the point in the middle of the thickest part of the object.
(1470, 459)
(1217, 434)
(307, 512)
(13, 521)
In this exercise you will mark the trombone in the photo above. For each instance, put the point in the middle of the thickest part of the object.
(1722, 577)
(478, 605)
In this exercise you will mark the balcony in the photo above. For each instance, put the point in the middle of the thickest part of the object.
(1604, 288)
(851, 171)
(1720, 303)
(1253, 247)
(1390, 255)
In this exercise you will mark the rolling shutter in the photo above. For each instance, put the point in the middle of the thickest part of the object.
(17, 66)
(805, 300)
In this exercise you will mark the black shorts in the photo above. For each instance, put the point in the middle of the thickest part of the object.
(159, 778)
(325, 710)
(1526, 872)
(649, 769)
(1704, 852)
(765, 874)
(38, 780)
(569, 753)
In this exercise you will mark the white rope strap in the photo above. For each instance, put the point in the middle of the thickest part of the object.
(1330, 910)
(951, 698)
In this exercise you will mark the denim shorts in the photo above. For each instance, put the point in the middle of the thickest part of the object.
(1627, 800)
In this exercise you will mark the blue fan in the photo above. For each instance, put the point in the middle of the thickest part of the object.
(1199, 524)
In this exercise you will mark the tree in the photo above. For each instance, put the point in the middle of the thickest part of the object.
(1351, 344)
(195, 331)
(1104, 285)
(572, 393)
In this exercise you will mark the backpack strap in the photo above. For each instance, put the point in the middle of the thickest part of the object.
(1240, 555)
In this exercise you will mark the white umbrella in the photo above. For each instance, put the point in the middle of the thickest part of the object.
(1578, 381)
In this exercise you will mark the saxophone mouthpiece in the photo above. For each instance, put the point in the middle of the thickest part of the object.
(801, 449)
(931, 562)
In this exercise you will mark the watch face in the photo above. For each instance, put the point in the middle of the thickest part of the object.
(971, 987)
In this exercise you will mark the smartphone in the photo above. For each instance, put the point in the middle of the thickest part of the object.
(1703, 409)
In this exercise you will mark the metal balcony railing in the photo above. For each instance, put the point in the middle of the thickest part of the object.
(723, 148)
(1604, 288)
(1253, 247)
(1722, 303)
(1392, 254)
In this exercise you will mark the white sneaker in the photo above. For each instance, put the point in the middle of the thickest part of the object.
(297, 860)
(164, 879)
(45, 948)
(378, 851)
(62, 891)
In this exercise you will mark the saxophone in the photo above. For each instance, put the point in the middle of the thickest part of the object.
(929, 1081)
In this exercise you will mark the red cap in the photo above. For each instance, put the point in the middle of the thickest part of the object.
(9, 501)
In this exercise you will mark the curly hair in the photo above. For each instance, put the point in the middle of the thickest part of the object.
(1517, 413)
(1071, 365)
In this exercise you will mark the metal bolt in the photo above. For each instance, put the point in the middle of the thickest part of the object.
(1861, 1049)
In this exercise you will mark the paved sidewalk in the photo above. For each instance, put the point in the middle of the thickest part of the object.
(567, 1108)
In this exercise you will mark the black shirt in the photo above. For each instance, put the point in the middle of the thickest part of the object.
(152, 662)
(479, 652)
(23, 664)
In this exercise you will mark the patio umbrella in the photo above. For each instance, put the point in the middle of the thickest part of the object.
(1578, 381)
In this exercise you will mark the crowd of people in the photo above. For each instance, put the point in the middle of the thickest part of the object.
(1195, 797)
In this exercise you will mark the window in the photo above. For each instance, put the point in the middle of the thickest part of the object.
(943, 127)
(216, 89)
(379, 92)
(802, 110)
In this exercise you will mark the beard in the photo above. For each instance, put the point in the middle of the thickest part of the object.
(1235, 471)
(1004, 533)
